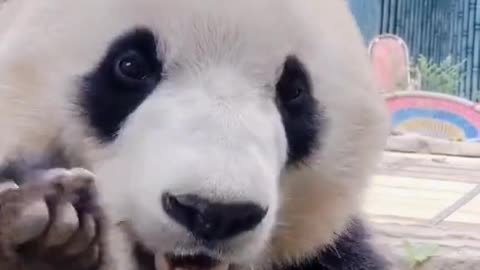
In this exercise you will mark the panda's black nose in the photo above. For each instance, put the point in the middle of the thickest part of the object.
(212, 221)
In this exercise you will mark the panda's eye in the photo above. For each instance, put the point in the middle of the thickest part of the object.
(291, 91)
(293, 84)
(132, 67)
(128, 72)
(299, 109)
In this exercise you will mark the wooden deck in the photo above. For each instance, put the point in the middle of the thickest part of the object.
(428, 200)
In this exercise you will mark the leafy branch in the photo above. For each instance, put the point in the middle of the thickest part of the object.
(443, 77)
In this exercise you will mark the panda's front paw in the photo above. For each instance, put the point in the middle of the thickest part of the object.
(52, 224)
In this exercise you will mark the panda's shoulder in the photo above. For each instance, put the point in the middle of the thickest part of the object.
(353, 250)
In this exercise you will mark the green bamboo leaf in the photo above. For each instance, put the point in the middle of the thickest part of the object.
(417, 255)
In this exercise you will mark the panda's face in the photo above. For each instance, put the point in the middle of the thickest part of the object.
(219, 128)
(196, 146)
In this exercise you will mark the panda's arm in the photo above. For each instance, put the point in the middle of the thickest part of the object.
(352, 251)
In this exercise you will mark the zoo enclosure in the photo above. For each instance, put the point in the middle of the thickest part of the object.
(435, 29)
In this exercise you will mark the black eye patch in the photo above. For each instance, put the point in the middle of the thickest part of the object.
(123, 79)
(299, 109)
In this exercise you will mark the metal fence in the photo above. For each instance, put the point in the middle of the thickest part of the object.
(433, 28)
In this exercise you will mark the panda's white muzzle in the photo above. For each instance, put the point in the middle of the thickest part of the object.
(199, 170)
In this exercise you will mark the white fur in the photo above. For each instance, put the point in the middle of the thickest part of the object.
(211, 127)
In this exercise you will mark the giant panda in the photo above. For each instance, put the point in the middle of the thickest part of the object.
(212, 134)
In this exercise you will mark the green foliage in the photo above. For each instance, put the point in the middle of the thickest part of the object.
(417, 255)
(443, 77)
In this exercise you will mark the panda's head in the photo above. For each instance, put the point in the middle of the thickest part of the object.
(243, 131)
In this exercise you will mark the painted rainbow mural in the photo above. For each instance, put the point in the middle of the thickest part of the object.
(435, 115)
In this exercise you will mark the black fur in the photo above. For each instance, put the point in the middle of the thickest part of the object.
(351, 251)
(106, 98)
(299, 109)
(144, 258)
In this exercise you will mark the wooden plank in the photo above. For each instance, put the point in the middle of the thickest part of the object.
(431, 176)
(395, 219)
(444, 214)
(431, 167)
(411, 197)
(401, 207)
(447, 224)
(434, 160)
(458, 249)
(439, 168)
(470, 213)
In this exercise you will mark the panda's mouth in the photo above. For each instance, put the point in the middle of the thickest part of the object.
(190, 262)
(148, 261)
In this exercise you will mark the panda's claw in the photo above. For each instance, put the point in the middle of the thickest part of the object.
(59, 244)
(85, 245)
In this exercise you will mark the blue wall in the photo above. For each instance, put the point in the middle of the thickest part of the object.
(367, 13)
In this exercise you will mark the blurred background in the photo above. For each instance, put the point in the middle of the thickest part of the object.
(435, 30)
(424, 199)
